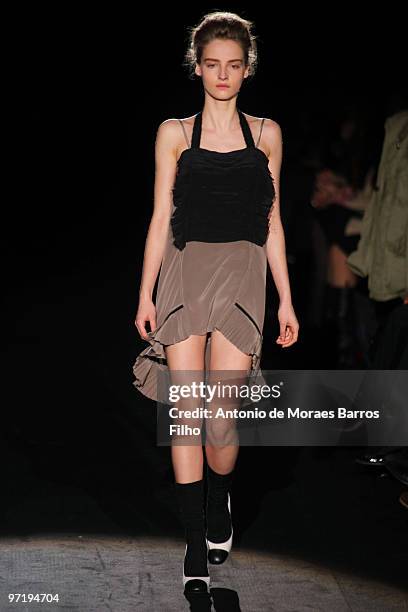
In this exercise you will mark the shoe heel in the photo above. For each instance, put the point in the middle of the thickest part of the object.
(218, 551)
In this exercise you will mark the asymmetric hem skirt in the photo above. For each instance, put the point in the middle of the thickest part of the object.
(204, 287)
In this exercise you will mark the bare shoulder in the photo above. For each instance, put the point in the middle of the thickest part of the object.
(271, 131)
(168, 130)
(253, 121)
(173, 125)
(170, 133)
(187, 121)
(272, 136)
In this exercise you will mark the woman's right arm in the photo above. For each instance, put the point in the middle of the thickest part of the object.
(165, 172)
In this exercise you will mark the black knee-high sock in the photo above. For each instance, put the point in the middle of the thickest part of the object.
(218, 516)
(190, 497)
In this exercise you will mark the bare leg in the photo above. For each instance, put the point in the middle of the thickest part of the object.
(229, 366)
(339, 273)
(184, 356)
(184, 359)
(224, 356)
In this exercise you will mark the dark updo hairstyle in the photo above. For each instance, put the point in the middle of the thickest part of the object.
(227, 26)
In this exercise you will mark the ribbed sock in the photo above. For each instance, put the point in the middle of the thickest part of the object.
(218, 516)
(190, 497)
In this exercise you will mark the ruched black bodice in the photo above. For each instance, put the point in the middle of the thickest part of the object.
(222, 197)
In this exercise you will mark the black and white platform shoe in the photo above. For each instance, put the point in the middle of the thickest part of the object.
(195, 584)
(218, 551)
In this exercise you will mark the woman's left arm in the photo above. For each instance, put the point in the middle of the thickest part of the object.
(275, 244)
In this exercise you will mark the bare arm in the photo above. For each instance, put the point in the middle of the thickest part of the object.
(275, 244)
(165, 172)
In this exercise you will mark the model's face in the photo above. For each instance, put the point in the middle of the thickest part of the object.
(222, 68)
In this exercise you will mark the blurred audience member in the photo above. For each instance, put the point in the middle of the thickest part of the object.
(348, 317)
(382, 257)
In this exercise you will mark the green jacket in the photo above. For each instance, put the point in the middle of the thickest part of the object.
(382, 252)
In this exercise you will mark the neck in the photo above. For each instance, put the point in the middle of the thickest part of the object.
(221, 119)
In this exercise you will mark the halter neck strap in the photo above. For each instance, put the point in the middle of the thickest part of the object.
(196, 136)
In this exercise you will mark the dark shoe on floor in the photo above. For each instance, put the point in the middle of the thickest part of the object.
(219, 551)
(378, 457)
(219, 522)
(190, 497)
(194, 584)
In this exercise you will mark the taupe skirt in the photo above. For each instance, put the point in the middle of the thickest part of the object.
(206, 286)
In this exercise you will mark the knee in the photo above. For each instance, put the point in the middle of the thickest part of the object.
(221, 438)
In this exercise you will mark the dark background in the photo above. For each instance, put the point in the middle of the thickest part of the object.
(94, 88)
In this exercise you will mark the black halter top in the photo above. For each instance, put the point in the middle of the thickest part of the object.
(222, 197)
